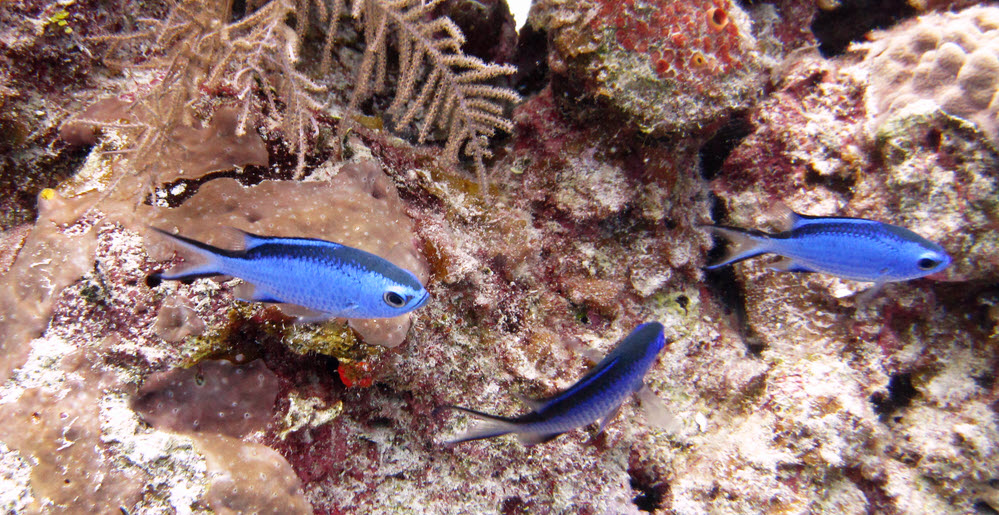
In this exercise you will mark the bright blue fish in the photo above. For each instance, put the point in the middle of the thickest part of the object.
(598, 395)
(851, 248)
(333, 279)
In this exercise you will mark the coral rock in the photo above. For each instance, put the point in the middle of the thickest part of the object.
(949, 58)
(212, 396)
(671, 67)
(250, 478)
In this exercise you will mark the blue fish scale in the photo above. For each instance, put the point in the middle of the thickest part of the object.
(308, 275)
(334, 279)
(861, 251)
(591, 403)
(598, 393)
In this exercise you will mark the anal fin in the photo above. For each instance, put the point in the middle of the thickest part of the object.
(247, 292)
(786, 264)
(534, 404)
(531, 439)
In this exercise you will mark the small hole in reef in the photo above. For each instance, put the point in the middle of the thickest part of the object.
(153, 280)
(933, 138)
(900, 393)
(717, 18)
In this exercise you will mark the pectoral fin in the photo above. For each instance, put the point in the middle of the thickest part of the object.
(656, 412)
(865, 297)
(610, 416)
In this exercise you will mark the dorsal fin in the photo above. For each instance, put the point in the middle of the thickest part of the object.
(250, 240)
(787, 219)
(534, 404)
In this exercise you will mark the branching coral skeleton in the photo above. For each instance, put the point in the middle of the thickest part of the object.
(199, 50)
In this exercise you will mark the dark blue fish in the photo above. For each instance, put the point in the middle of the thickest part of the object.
(598, 395)
(332, 279)
(851, 248)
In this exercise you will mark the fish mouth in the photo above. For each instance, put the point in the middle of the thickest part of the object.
(423, 300)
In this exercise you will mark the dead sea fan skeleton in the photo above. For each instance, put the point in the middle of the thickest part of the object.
(200, 46)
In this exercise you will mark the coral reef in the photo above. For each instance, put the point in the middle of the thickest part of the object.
(121, 394)
(48, 73)
(237, 472)
(670, 67)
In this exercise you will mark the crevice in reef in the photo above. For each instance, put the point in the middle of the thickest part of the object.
(651, 495)
(878, 500)
(531, 60)
(854, 19)
(725, 287)
(899, 395)
(716, 150)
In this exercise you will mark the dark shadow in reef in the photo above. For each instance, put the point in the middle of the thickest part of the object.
(531, 60)
(716, 150)
(898, 396)
(651, 494)
(853, 20)
(725, 287)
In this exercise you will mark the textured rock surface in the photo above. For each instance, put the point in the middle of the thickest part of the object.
(950, 59)
(671, 67)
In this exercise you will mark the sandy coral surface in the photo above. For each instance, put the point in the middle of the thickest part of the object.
(641, 121)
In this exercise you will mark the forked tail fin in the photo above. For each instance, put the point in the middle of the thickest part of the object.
(741, 245)
(493, 426)
(208, 254)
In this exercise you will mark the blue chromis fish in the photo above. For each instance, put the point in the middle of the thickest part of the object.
(329, 278)
(851, 248)
(597, 396)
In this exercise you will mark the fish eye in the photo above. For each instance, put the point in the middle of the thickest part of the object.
(394, 299)
(927, 263)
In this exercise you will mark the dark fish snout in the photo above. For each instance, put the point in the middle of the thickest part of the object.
(423, 300)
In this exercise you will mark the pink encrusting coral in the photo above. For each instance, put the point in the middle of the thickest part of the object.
(682, 40)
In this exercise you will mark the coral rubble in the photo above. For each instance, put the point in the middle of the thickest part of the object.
(644, 120)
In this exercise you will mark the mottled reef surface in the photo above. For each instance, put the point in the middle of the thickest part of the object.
(542, 226)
